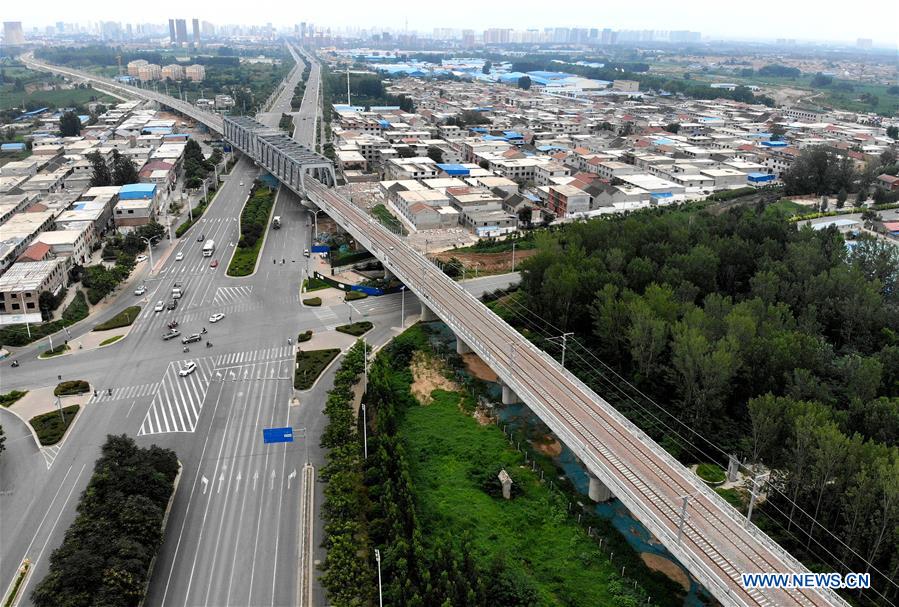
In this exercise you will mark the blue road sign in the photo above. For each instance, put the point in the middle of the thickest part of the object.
(277, 435)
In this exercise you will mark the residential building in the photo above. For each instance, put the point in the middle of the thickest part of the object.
(195, 72)
(22, 285)
(567, 201)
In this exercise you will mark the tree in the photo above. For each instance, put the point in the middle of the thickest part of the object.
(841, 198)
(124, 171)
(69, 125)
(435, 154)
(487, 67)
(893, 132)
(524, 83)
(672, 127)
(101, 175)
(777, 132)
(405, 151)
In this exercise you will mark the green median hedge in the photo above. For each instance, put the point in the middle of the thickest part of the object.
(122, 319)
(354, 295)
(313, 301)
(356, 329)
(253, 224)
(310, 364)
(9, 399)
(51, 427)
(304, 336)
(68, 388)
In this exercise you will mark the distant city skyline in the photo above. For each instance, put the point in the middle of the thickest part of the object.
(761, 20)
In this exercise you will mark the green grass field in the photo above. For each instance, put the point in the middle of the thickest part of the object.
(53, 99)
(448, 452)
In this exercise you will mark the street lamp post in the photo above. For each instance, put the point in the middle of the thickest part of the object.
(403, 308)
(380, 593)
(149, 242)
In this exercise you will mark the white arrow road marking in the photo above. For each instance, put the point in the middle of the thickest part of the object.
(290, 476)
(237, 487)
(221, 480)
(205, 482)
(272, 485)
(255, 476)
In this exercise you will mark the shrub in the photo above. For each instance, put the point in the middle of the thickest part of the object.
(67, 388)
(49, 353)
(731, 194)
(122, 319)
(356, 329)
(50, 428)
(304, 336)
(8, 399)
(310, 364)
(313, 301)
(354, 295)
(315, 284)
(111, 340)
(710, 473)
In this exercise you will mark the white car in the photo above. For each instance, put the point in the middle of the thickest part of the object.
(140, 258)
(140, 290)
(179, 256)
(160, 306)
(216, 317)
(188, 368)
(241, 184)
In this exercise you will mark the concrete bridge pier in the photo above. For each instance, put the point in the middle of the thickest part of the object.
(427, 315)
(462, 347)
(388, 275)
(597, 491)
(509, 396)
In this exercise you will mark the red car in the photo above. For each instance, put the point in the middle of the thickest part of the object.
(214, 264)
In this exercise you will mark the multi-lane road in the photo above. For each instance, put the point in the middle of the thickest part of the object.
(234, 536)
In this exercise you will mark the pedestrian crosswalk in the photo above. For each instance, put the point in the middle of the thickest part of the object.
(178, 401)
(324, 315)
(225, 295)
(253, 356)
(123, 392)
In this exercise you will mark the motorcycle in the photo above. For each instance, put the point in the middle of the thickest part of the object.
(208, 344)
(14, 364)
(203, 332)
(173, 324)
(186, 349)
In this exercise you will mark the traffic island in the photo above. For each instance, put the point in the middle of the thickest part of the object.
(9, 398)
(122, 319)
(355, 329)
(71, 387)
(310, 364)
(51, 427)
(57, 351)
(313, 302)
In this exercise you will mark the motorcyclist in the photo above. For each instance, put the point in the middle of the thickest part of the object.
(186, 349)
(203, 332)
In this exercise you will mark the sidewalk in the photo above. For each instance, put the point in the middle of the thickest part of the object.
(41, 400)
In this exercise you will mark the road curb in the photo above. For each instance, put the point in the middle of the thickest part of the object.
(37, 441)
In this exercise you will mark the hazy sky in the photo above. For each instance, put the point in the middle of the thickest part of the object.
(757, 19)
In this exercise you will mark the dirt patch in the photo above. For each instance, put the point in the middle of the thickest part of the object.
(548, 446)
(668, 568)
(481, 417)
(478, 367)
(488, 262)
(427, 376)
